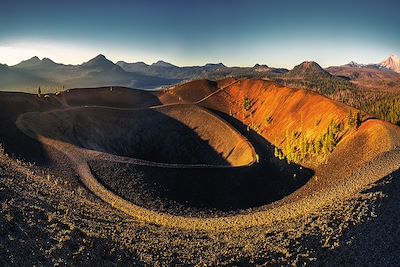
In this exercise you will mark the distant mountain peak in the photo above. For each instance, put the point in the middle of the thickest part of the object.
(310, 64)
(32, 62)
(121, 62)
(164, 64)
(308, 68)
(215, 65)
(98, 58)
(392, 63)
(260, 66)
(100, 61)
(35, 58)
(48, 61)
(354, 64)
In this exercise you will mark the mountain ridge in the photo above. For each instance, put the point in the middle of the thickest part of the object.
(161, 63)
(100, 71)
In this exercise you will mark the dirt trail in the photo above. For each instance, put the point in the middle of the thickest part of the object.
(290, 207)
(345, 215)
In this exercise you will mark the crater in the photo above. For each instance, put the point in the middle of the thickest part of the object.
(225, 154)
(178, 159)
(184, 135)
(201, 192)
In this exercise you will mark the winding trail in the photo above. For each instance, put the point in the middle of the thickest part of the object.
(281, 210)
(287, 208)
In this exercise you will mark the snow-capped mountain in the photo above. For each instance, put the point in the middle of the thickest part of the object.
(392, 63)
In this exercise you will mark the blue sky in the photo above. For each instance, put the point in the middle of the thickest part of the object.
(237, 33)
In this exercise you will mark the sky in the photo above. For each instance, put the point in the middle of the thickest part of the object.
(186, 33)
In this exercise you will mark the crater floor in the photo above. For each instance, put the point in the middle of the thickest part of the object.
(176, 159)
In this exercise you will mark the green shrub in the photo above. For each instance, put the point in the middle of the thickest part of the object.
(354, 120)
(299, 147)
(268, 120)
(247, 103)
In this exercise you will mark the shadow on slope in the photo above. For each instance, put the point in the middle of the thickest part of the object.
(112, 96)
(206, 191)
(13, 104)
(12, 139)
(174, 135)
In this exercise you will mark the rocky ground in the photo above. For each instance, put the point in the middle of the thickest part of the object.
(47, 221)
(48, 216)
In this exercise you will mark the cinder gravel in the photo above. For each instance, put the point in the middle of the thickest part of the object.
(52, 212)
(44, 222)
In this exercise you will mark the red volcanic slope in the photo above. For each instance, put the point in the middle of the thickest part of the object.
(273, 110)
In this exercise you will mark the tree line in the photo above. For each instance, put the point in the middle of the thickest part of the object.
(387, 109)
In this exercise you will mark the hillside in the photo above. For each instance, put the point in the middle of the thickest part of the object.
(311, 76)
(354, 84)
(308, 68)
(168, 70)
(166, 177)
(371, 83)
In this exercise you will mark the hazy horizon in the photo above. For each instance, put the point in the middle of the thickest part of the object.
(150, 63)
(184, 33)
